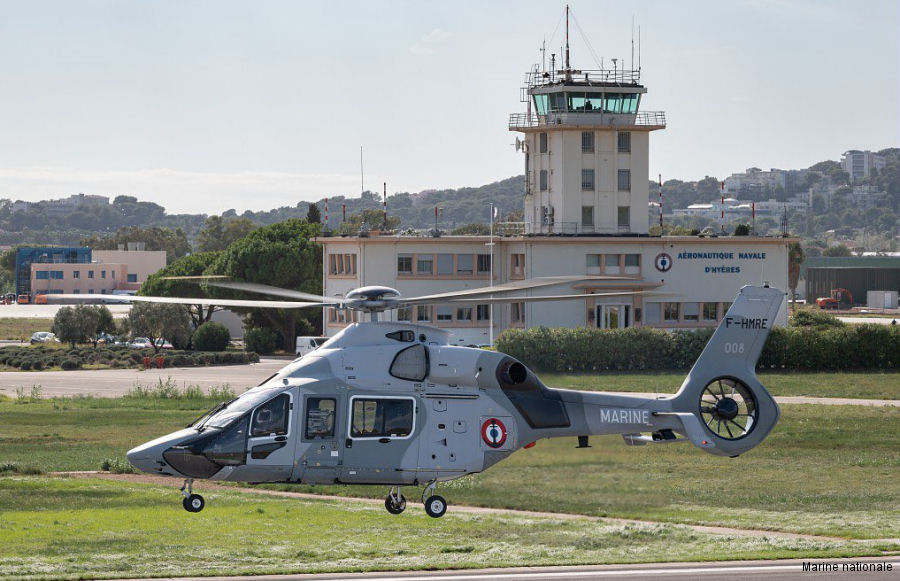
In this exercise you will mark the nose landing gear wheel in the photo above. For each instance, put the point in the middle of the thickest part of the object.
(728, 408)
(435, 506)
(193, 503)
(395, 506)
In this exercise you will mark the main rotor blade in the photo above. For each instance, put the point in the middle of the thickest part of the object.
(541, 298)
(206, 302)
(265, 289)
(505, 288)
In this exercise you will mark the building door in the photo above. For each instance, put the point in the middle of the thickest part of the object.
(613, 316)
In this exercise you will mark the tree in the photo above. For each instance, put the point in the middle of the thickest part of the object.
(742, 230)
(161, 284)
(837, 251)
(795, 260)
(472, 229)
(160, 321)
(313, 216)
(372, 218)
(218, 232)
(281, 255)
(67, 325)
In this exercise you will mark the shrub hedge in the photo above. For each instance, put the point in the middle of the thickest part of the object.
(260, 340)
(845, 347)
(211, 336)
(38, 357)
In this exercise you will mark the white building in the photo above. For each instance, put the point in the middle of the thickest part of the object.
(859, 164)
(586, 149)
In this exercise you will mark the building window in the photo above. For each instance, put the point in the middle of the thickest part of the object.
(587, 216)
(625, 180)
(709, 311)
(692, 312)
(517, 262)
(90, 274)
(587, 180)
(444, 314)
(612, 263)
(425, 264)
(102, 274)
(77, 291)
(76, 274)
(517, 312)
(464, 264)
(404, 314)
(593, 261)
(113, 273)
(587, 142)
(633, 260)
(42, 274)
(624, 221)
(445, 264)
(542, 145)
(483, 312)
(90, 291)
(56, 274)
(464, 314)
(543, 178)
(131, 277)
(404, 263)
(625, 142)
(342, 264)
(670, 312)
(423, 313)
(484, 263)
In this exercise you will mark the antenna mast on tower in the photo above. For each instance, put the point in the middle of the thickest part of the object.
(568, 65)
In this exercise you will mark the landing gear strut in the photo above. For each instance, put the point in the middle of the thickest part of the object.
(191, 502)
(395, 503)
(435, 506)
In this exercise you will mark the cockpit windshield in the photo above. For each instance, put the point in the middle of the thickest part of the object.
(223, 414)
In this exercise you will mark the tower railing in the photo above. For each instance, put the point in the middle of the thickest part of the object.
(642, 119)
(597, 77)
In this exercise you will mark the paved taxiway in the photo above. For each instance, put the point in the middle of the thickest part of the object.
(116, 382)
(787, 570)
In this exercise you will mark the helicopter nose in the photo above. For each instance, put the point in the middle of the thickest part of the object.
(148, 457)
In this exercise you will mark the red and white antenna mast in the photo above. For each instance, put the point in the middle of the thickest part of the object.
(568, 64)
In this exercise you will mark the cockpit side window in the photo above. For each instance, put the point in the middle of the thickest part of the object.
(382, 417)
(271, 418)
(411, 363)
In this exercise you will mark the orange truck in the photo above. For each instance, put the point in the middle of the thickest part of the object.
(840, 298)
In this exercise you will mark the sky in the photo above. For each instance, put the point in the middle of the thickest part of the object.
(205, 106)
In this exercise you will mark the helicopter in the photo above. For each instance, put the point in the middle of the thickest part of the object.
(395, 404)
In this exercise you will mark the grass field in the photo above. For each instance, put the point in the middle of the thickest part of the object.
(865, 385)
(58, 528)
(831, 470)
(21, 329)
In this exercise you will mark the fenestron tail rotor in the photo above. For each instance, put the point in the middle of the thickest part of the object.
(728, 408)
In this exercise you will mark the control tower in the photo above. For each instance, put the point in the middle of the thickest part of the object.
(586, 145)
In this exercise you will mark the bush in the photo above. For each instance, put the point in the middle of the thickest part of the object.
(811, 318)
(842, 347)
(260, 340)
(211, 337)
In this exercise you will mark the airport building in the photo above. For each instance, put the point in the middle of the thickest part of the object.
(585, 143)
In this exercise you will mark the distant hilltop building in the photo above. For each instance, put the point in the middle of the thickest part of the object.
(859, 164)
(62, 206)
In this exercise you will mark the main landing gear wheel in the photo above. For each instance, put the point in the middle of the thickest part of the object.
(395, 504)
(435, 506)
(193, 503)
(728, 408)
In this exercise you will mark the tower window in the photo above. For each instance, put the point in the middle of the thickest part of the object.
(542, 146)
(587, 142)
(587, 216)
(624, 217)
(543, 179)
(624, 180)
(587, 180)
(624, 142)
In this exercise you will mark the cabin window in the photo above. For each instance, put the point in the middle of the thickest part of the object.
(271, 418)
(320, 417)
(381, 418)
(411, 363)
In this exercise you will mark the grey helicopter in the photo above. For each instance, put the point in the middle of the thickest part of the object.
(395, 404)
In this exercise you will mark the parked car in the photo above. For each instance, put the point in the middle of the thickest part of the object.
(144, 343)
(9, 298)
(306, 345)
(43, 337)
